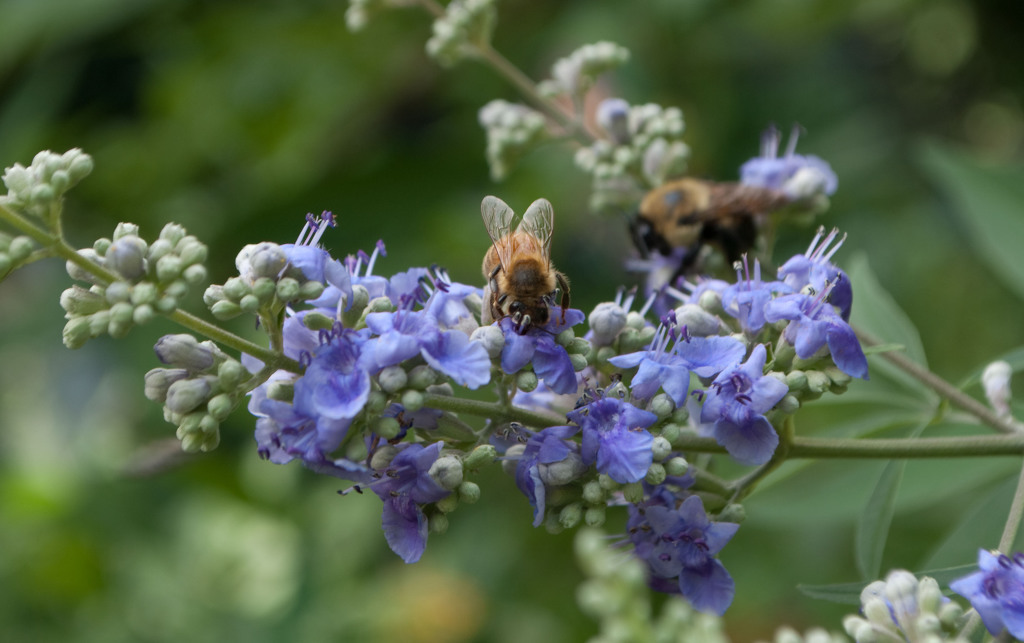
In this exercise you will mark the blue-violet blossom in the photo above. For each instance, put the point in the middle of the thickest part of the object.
(996, 591)
(615, 437)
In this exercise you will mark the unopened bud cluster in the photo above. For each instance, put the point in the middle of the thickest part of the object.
(813, 635)
(34, 188)
(464, 29)
(150, 279)
(513, 130)
(903, 608)
(198, 390)
(266, 283)
(642, 149)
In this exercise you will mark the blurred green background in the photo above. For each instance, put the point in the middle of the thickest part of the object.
(236, 118)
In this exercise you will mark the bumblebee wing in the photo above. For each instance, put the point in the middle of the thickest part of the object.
(539, 222)
(498, 219)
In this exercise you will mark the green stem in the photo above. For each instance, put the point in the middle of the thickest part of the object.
(940, 386)
(1014, 517)
(857, 448)
(221, 336)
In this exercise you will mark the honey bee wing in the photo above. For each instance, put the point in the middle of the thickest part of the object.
(539, 222)
(498, 219)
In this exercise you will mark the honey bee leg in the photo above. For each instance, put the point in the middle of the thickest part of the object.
(563, 285)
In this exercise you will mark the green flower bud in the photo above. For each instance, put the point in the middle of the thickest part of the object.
(192, 251)
(98, 322)
(447, 472)
(258, 260)
(310, 290)
(635, 320)
(698, 322)
(121, 313)
(213, 294)
(565, 337)
(671, 432)
(656, 474)
(579, 362)
(249, 303)
(605, 353)
(817, 382)
(438, 523)
(20, 248)
(118, 292)
(5, 264)
(733, 512)
(287, 289)
(42, 194)
(570, 515)
(492, 338)
(380, 305)
(119, 328)
(168, 268)
(186, 395)
(78, 164)
(360, 298)
(681, 415)
(606, 320)
(594, 516)
(158, 380)
(392, 379)
(788, 404)
(412, 401)
(387, 427)
(469, 492)
(447, 504)
(158, 249)
(225, 310)
(194, 274)
(526, 381)
(317, 321)
(376, 402)
(230, 374)
(593, 494)
(76, 332)
(383, 456)
(662, 406)
(264, 289)
(796, 381)
(607, 483)
(141, 293)
(356, 451)
(167, 304)
(950, 615)
(677, 466)
(172, 233)
(660, 448)
(578, 346)
(220, 406)
(236, 288)
(562, 472)
(281, 390)
(480, 456)
(633, 492)
(420, 378)
(79, 301)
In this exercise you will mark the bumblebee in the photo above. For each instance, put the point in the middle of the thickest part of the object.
(521, 280)
(691, 213)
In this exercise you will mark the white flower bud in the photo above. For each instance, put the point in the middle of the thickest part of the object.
(996, 382)
(491, 337)
(186, 395)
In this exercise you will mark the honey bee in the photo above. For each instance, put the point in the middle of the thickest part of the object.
(521, 281)
(691, 213)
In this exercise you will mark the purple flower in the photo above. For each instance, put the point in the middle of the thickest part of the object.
(447, 302)
(681, 542)
(406, 286)
(544, 449)
(465, 361)
(996, 591)
(745, 300)
(815, 323)
(799, 177)
(336, 383)
(736, 403)
(814, 269)
(550, 360)
(615, 437)
(284, 433)
(405, 486)
(670, 369)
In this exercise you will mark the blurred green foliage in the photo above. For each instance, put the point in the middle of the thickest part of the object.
(236, 118)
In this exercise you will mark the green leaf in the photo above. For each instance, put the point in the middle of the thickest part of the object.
(876, 312)
(873, 526)
(988, 199)
(849, 593)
